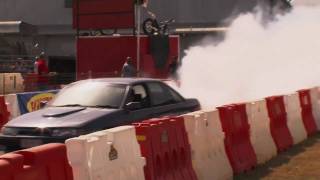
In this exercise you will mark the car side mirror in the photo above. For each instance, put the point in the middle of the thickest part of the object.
(43, 104)
(133, 106)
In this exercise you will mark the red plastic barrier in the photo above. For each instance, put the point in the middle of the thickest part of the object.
(4, 169)
(143, 130)
(4, 113)
(306, 112)
(278, 123)
(239, 149)
(45, 162)
(165, 146)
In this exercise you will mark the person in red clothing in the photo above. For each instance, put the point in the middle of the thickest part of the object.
(42, 70)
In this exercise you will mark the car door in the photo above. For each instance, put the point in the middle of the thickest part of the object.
(145, 111)
(164, 101)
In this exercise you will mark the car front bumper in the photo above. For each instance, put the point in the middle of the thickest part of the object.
(12, 143)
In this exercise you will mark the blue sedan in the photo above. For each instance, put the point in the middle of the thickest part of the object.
(92, 105)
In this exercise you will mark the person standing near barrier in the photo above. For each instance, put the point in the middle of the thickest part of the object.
(42, 70)
(128, 69)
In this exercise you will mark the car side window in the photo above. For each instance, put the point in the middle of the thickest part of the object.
(139, 89)
(175, 95)
(138, 94)
(160, 95)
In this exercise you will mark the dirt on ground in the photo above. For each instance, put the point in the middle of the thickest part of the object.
(301, 161)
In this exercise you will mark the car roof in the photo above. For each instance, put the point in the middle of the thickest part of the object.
(125, 81)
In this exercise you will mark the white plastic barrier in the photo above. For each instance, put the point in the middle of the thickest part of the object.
(206, 138)
(214, 122)
(13, 106)
(315, 96)
(260, 134)
(113, 154)
(294, 118)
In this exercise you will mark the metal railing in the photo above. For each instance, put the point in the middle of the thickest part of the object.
(16, 63)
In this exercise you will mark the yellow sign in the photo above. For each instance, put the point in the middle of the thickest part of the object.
(141, 138)
(34, 103)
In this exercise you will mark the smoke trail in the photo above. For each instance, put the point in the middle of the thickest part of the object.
(255, 61)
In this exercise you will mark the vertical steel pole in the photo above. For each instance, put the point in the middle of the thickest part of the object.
(138, 13)
(77, 16)
(77, 35)
(4, 84)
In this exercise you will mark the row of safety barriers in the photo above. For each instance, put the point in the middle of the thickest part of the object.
(205, 145)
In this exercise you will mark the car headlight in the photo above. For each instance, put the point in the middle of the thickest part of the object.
(9, 131)
(66, 132)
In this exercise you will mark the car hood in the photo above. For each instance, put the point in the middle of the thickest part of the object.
(59, 117)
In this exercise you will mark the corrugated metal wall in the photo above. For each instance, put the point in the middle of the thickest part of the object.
(54, 12)
(36, 12)
(54, 19)
(199, 11)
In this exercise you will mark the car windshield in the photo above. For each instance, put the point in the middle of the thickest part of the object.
(90, 94)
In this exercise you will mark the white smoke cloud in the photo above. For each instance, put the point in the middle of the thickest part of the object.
(255, 61)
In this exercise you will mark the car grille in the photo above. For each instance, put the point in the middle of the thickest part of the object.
(33, 131)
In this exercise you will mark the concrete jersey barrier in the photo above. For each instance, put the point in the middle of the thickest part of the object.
(39, 163)
(106, 155)
(315, 96)
(260, 136)
(165, 145)
(4, 113)
(278, 123)
(206, 138)
(306, 112)
(295, 123)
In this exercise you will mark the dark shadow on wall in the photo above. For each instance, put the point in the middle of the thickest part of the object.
(64, 68)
